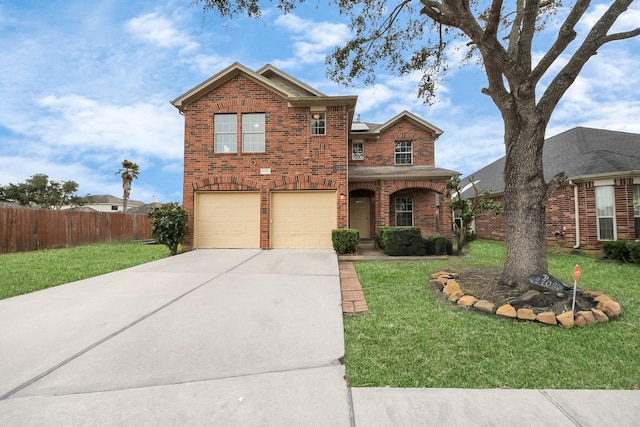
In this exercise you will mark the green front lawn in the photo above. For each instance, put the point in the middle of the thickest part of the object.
(411, 337)
(25, 272)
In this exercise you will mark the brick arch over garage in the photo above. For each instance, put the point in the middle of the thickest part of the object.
(226, 183)
(302, 182)
(403, 185)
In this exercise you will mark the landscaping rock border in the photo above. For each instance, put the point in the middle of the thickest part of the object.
(606, 308)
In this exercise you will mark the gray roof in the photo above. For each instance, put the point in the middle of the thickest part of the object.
(579, 152)
(366, 173)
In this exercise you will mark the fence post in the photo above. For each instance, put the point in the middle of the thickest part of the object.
(36, 239)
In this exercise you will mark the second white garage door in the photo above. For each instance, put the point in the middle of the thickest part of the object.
(227, 220)
(303, 219)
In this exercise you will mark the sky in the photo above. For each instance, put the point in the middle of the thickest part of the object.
(86, 85)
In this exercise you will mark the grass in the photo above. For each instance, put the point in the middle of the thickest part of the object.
(25, 272)
(412, 337)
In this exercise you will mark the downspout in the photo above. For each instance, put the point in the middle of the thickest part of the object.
(576, 211)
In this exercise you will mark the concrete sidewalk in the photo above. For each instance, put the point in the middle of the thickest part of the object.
(231, 338)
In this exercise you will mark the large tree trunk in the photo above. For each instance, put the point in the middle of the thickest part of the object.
(525, 197)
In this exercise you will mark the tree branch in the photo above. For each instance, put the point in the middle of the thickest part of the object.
(555, 182)
(566, 35)
(529, 17)
(493, 22)
(589, 47)
(621, 36)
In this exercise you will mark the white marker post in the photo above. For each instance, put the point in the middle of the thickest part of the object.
(577, 272)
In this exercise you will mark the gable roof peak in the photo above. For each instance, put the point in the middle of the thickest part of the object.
(413, 118)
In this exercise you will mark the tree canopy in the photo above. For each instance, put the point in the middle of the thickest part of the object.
(39, 191)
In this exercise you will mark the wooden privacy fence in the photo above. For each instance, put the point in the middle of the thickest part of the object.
(26, 229)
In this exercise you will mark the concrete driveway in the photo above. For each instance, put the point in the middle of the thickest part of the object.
(209, 337)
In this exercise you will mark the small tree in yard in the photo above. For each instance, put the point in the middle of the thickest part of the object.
(468, 209)
(169, 225)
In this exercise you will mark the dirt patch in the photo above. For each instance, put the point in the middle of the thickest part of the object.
(483, 284)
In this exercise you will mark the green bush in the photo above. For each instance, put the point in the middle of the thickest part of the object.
(169, 225)
(616, 249)
(381, 231)
(345, 240)
(402, 241)
(634, 251)
(438, 245)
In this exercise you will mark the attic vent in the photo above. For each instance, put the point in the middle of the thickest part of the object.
(236, 78)
(335, 108)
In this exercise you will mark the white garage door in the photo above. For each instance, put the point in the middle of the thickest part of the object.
(303, 219)
(227, 220)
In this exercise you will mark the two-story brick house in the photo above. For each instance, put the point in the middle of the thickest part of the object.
(270, 162)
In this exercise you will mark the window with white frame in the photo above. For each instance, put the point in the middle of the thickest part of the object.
(605, 212)
(636, 208)
(226, 133)
(357, 151)
(404, 152)
(253, 133)
(404, 211)
(318, 123)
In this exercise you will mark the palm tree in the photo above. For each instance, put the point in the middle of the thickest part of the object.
(129, 171)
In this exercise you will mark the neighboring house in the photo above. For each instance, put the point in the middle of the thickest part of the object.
(271, 162)
(596, 202)
(106, 203)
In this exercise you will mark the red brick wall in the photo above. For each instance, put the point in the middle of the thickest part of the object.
(560, 216)
(381, 152)
(297, 159)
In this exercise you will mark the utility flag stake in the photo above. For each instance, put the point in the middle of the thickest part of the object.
(577, 272)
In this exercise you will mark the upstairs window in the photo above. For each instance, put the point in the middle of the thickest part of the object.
(253, 133)
(318, 123)
(357, 151)
(404, 211)
(404, 153)
(226, 133)
(605, 212)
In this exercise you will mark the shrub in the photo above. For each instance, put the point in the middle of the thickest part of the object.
(381, 231)
(402, 241)
(634, 251)
(438, 245)
(616, 249)
(345, 240)
(169, 225)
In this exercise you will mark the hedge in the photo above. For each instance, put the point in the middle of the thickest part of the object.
(345, 240)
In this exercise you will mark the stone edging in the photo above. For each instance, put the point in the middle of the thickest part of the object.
(606, 307)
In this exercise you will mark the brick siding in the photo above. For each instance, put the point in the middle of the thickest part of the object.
(561, 217)
(297, 160)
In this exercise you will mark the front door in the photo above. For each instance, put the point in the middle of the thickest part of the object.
(359, 210)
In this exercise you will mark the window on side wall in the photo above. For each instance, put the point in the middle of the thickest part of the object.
(357, 151)
(318, 123)
(636, 208)
(253, 133)
(605, 213)
(404, 152)
(404, 211)
(226, 133)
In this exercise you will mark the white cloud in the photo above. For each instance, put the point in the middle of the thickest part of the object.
(312, 40)
(160, 31)
(625, 22)
(81, 125)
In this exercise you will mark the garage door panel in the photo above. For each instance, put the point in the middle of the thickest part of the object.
(303, 219)
(228, 220)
